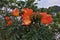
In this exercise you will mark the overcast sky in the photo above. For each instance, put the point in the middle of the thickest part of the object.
(47, 3)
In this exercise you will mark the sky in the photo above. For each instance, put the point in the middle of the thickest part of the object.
(47, 3)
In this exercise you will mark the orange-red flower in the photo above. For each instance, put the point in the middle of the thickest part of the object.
(46, 18)
(15, 12)
(24, 10)
(27, 11)
(9, 23)
(7, 18)
(26, 20)
(30, 11)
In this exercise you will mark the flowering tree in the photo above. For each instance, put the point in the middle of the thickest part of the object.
(21, 20)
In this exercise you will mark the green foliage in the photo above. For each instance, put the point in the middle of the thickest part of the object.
(32, 32)
(16, 31)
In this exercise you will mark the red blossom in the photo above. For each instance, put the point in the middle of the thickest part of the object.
(9, 23)
(7, 18)
(15, 12)
(46, 18)
(26, 20)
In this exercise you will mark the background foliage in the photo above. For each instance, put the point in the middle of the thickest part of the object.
(35, 31)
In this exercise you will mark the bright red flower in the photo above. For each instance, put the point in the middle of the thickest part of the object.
(24, 10)
(43, 14)
(27, 11)
(30, 11)
(26, 20)
(9, 23)
(7, 18)
(46, 18)
(15, 12)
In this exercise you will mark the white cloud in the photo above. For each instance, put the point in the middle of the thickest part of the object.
(47, 3)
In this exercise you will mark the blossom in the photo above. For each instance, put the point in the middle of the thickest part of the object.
(46, 18)
(26, 20)
(15, 12)
(9, 23)
(43, 14)
(27, 11)
(7, 18)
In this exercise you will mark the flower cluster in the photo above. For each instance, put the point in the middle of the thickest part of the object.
(26, 16)
(9, 21)
(15, 12)
(46, 18)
